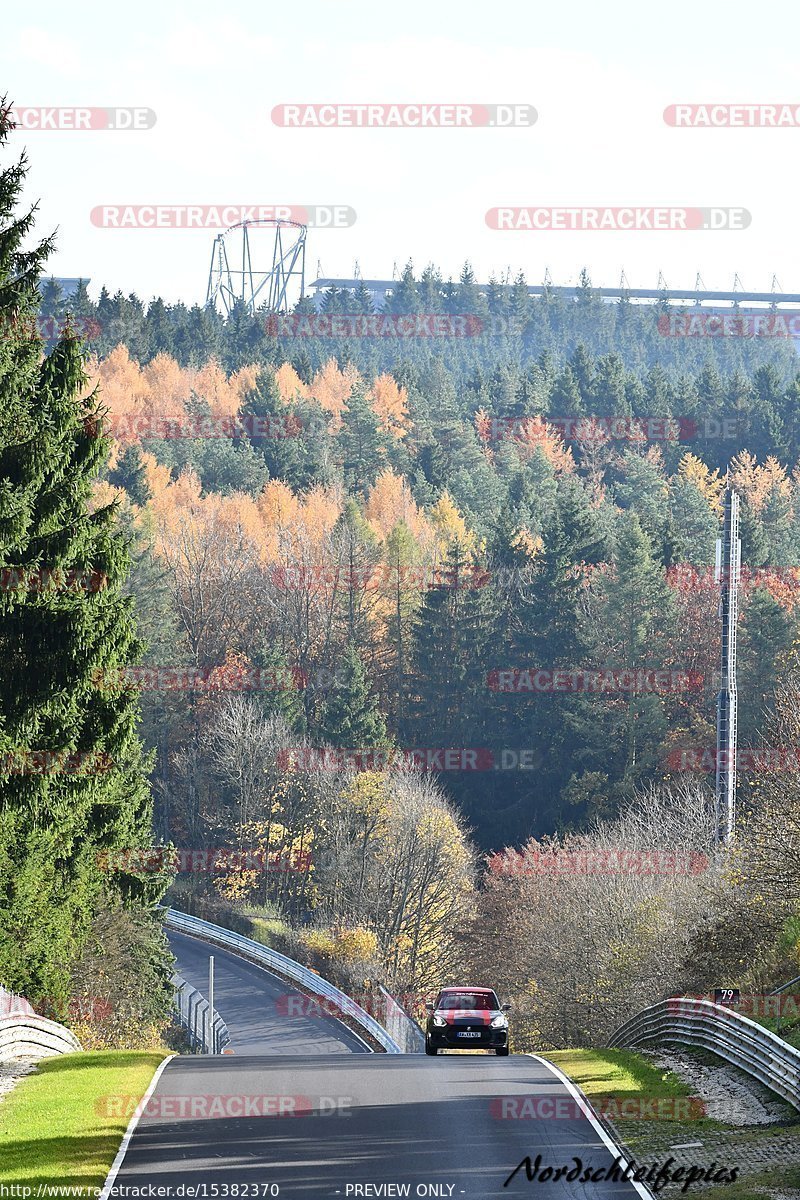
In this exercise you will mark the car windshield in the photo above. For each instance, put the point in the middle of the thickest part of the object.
(453, 1001)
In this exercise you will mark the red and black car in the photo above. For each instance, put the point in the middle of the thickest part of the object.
(467, 1018)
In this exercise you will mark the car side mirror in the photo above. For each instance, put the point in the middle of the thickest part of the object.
(505, 1008)
(429, 1007)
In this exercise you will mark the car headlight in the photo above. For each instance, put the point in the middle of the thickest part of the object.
(500, 1021)
(437, 1020)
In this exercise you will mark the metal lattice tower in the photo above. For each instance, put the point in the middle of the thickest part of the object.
(257, 286)
(728, 567)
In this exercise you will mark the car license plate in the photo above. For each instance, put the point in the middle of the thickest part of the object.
(465, 1033)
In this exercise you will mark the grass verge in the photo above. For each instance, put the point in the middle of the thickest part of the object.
(757, 1187)
(618, 1074)
(56, 1125)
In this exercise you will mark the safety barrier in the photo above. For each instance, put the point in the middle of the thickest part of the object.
(732, 1037)
(399, 1025)
(26, 1036)
(193, 1010)
(287, 967)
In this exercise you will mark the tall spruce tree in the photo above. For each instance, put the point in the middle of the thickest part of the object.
(350, 717)
(73, 772)
(446, 689)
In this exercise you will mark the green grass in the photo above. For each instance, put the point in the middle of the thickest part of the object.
(770, 1182)
(265, 929)
(620, 1073)
(616, 1076)
(56, 1126)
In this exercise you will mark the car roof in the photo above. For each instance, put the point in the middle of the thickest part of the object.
(485, 991)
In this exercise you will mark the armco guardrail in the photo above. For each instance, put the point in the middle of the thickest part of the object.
(193, 1013)
(401, 1027)
(184, 923)
(730, 1036)
(25, 1036)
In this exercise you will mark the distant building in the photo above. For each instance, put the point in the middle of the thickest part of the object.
(708, 304)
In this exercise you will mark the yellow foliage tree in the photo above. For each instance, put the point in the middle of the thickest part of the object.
(449, 525)
(390, 403)
(290, 385)
(332, 388)
(389, 501)
(707, 482)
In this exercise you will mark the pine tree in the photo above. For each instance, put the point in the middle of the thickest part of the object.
(362, 443)
(635, 612)
(73, 773)
(402, 598)
(765, 639)
(286, 436)
(357, 557)
(350, 718)
(130, 474)
(447, 687)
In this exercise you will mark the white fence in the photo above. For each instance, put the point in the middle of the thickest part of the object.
(730, 1036)
(287, 967)
(192, 1010)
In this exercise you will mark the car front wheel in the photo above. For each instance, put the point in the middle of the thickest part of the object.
(429, 1049)
(502, 1051)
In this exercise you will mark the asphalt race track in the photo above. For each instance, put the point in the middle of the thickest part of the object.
(308, 1119)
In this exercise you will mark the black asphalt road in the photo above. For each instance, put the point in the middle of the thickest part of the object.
(324, 1126)
(254, 1005)
(294, 1112)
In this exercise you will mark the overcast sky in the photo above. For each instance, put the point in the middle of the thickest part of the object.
(598, 74)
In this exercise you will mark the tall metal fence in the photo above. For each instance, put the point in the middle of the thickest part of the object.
(289, 969)
(732, 1037)
(400, 1026)
(193, 1009)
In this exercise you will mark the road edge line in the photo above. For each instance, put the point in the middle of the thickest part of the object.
(593, 1119)
(129, 1132)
